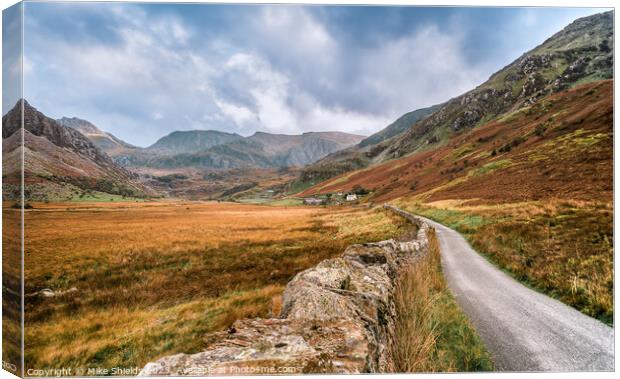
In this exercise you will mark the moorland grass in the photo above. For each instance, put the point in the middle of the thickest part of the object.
(153, 278)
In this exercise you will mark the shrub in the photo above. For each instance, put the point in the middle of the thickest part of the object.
(19, 206)
(540, 130)
(359, 190)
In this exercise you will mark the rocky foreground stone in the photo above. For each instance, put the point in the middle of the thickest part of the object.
(337, 317)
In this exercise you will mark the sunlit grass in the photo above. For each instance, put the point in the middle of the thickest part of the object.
(153, 278)
(126, 337)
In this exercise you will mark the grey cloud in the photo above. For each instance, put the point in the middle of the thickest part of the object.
(279, 70)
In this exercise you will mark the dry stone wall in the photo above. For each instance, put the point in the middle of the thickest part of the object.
(337, 317)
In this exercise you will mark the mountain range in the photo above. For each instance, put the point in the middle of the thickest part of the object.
(210, 149)
(71, 157)
(75, 152)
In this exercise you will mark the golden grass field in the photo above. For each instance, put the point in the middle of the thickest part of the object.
(11, 289)
(153, 278)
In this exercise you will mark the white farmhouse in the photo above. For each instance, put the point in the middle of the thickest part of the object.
(351, 197)
(313, 201)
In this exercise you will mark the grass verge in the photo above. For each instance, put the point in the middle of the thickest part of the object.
(433, 335)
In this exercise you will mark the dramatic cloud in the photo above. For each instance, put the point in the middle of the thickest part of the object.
(11, 57)
(423, 68)
(143, 71)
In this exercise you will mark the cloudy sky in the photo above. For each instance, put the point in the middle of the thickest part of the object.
(142, 71)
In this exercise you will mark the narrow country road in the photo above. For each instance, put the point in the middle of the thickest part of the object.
(524, 330)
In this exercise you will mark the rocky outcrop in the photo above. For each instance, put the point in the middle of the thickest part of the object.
(337, 317)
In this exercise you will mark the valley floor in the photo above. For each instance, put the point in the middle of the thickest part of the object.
(135, 281)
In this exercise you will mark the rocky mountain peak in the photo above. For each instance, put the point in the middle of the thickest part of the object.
(40, 125)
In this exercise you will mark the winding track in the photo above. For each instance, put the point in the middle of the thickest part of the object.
(524, 330)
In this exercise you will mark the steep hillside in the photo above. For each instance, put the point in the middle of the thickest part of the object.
(532, 190)
(551, 143)
(400, 125)
(103, 140)
(580, 53)
(362, 154)
(261, 150)
(60, 162)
